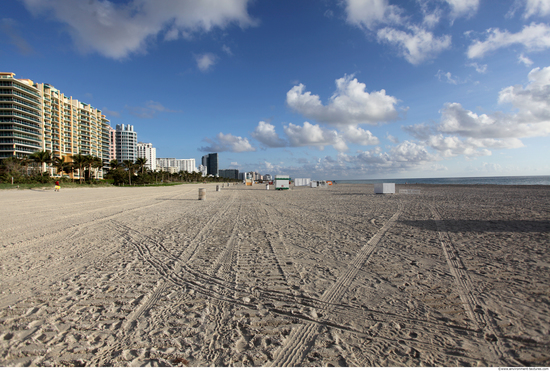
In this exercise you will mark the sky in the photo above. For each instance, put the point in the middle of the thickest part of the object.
(327, 89)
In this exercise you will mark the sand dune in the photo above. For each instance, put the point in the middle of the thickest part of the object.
(454, 276)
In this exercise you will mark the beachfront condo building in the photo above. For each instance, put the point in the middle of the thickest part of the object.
(146, 150)
(72, 126)
(112, 144)
(21, 128)
(210, 161)
(202, 170)
(38, 117)
(229, 173)
(126, 143)
(186, 164)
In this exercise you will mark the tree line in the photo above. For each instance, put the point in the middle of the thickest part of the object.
(33, 169)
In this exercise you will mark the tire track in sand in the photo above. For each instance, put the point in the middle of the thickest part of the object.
(29, 236)
(166, 271)
(222, 266)
(466, 290)
(299, 342)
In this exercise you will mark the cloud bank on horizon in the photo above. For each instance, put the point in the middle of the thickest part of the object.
(353, 128)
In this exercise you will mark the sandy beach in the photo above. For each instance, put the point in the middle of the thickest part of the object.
(453, 276)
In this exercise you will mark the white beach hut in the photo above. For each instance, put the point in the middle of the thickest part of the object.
(301, 182)
(384, 188)
(282, 182)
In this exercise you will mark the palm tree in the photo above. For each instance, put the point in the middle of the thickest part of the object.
(97, 164)
(60, 164)
(89, 163)
(128, 164)
(114, 164)
(24, 161)
(140, 162)
(43, 158)
(79, 162)
(69, 169)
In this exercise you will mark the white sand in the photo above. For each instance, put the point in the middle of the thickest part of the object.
(455, 276)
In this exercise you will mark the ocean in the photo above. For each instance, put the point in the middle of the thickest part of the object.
(500, 180)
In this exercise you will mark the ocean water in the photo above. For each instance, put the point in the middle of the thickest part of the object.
(500, 180)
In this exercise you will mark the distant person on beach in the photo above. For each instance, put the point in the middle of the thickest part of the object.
(57, 186)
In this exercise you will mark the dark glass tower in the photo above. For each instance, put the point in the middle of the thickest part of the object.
(211, 162)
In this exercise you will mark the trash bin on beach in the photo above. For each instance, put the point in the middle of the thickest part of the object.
(217, 188)
(202, 193)
(267, 187)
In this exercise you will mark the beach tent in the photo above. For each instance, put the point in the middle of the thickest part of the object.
(313, 184)
(384, 188)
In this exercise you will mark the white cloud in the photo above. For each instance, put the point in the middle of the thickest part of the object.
(525, 60)
(314, 136)
(349, 105)
(532, 118)
(451, 146)
(265, 134)
(205, 61)
(417, 46)
(480, 68)
(419, 131)
(369, 13)
(415, 43)
(391, 138)
(227, 50)
(457, 120)
(357, 135)
(539, 8)
(118, 30)
(108, 112)
(533, 37)
(228, 143)
(409, 152)
(463, 7)
(149, 110)
(447, 77)
(463, 132)
(404, 156)
(533, 103)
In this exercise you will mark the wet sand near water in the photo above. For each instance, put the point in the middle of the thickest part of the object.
(335, 276)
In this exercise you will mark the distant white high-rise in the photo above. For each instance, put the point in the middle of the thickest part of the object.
(146, 150)
(126, 142)
(202, 170)
(187, 164)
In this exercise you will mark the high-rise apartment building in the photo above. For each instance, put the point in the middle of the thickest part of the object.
(187, 164)
(126, 143)
(37, 117)
(146, 150)
(72, 127)
(229, 173)
(112, 143)
(21, 128)
(211, 162)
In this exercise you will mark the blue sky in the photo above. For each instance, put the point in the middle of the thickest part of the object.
(343, 89)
